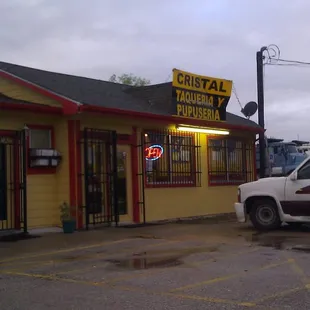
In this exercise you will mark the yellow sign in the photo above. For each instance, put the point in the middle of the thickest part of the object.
(200, 97)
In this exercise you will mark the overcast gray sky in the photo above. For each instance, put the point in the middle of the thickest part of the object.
(219, 38)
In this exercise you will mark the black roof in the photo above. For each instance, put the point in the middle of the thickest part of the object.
(300, 143)
(155, 99)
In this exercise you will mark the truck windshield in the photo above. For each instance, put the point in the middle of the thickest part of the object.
(299, 159)
(291, 148)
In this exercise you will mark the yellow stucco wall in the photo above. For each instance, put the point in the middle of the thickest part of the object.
(108, 123)
(170, 203)
(9, 165)
(16, 91)
(45, 192)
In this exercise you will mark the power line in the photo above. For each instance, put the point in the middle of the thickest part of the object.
(286, 62)
(236, 95)
(294, 61)
(288, 65)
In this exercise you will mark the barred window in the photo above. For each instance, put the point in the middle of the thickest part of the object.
(230, 161)
(171, 158)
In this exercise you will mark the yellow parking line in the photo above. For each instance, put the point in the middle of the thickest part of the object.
(14, 261)
(62, 251)
(280, 294)
(194, 264)
(303, 277)
(50, 262)
(10, 261)
(120, 252)
(49, 277)
(126, 288)
(223, 256)
(228, 277)
(151, 272)
(212, 300)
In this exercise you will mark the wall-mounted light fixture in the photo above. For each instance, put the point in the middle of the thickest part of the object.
(203, 130)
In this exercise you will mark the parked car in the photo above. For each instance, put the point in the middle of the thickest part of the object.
(269, 202)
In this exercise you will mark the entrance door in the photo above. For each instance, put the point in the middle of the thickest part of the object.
(297, 193)
(124, 184)
(3, 183)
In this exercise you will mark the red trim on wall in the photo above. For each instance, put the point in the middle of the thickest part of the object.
(78, 174)
(43, 170)
(254, 161)
(135, 177)
(30, 108)
(191, 182)
(236, 183)
(17, 185)
(122, 139)
(7, 133)
(44, 127)
(17, 176)
(69, 106)
(72, 166)
(74, 156)
(125, 139)
(165, 119)
(107, 188)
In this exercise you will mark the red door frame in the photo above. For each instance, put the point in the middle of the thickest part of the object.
(74, 153)
(16, 175)
(131, 140)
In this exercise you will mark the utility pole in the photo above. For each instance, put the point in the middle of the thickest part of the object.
(261, 110)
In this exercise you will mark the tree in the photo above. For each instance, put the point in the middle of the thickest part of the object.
(129, 79)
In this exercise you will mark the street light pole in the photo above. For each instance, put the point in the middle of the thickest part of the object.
(261, 109)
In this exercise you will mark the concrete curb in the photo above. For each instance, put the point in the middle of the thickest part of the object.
(210, 218)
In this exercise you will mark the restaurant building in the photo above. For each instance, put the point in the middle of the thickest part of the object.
(118, 154)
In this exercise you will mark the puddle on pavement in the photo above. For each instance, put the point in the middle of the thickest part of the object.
(302, 248)
(158, 258)
(179, 251)
(146, 237)
(280, 242)
(17, 237)
(71, 258)
(276, 242)
(138, 263)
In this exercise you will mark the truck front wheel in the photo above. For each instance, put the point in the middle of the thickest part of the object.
(264, 215)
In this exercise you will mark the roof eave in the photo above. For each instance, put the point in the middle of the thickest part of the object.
(69, 106)
(165, 119)
(30, 108)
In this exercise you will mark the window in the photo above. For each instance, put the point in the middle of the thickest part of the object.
(290, 148)
(171, 159)
(40, 138)
(41, 154)
(230, 161)
(304, 172)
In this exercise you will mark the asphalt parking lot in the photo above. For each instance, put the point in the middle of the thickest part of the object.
(197, 265)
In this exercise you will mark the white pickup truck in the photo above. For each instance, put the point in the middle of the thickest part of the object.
(269, 202)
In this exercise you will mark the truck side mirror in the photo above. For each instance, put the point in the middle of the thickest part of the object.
(293, 176)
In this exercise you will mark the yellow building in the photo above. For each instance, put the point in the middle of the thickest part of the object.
(116, 153)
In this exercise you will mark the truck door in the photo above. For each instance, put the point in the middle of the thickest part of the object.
(297, 193)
